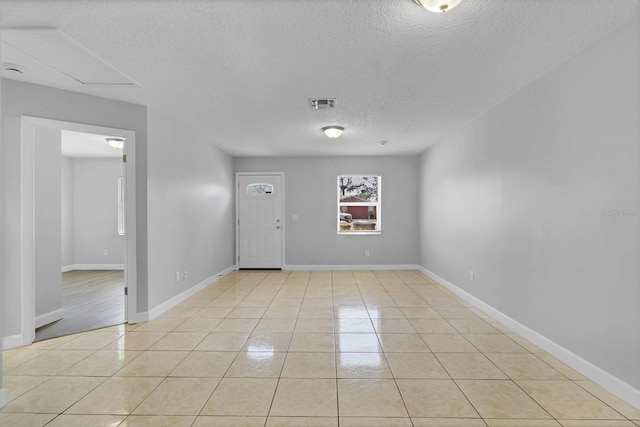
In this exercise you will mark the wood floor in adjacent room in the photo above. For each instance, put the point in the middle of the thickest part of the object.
(91, 299)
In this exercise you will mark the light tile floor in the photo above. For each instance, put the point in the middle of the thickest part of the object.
(362, 348)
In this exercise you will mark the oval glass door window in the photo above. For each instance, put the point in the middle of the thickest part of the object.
(259, 189)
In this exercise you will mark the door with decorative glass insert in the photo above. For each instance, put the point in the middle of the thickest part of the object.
(260, 221)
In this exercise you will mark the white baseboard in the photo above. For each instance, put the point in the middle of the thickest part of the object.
(350, 267)
(598, 375)
(52, 316)
(92, 267)
(3, 397)
(226, 271)
(165, 306)
(141, 317)
(13, 341)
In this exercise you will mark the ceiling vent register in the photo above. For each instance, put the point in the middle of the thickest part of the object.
(322, 104)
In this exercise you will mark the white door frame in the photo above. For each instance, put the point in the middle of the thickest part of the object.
(28, 125)
(238, 175)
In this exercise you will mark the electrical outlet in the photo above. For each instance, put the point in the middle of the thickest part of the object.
(366, 252)
(177, 276)
(184, 275)
(295, 217)
(471, 276)
(105, 252)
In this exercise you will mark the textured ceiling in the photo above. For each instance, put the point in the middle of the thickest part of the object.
(239, 73)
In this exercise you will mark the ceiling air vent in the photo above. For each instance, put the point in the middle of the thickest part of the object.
(322, 104)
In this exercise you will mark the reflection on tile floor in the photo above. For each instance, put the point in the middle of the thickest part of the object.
(361, 348)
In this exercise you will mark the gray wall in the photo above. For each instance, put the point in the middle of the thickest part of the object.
(2, 252)
(95, 212)
(67, 211)
(191, 209)
(47, 164)
(525, 196)
(40, 101)
(310, 193)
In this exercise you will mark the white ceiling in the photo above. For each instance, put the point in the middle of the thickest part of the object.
(239, 73)
(87, 145)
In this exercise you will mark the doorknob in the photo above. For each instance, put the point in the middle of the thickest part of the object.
(278, 227)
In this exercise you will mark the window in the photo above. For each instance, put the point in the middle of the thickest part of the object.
(121, 206)
(359, 207)
(259, 189)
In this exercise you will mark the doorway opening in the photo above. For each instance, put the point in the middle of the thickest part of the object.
(79, 264)
(92, 234)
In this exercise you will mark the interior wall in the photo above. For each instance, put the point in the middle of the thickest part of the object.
(540, 197)
(2, 254)
(95, 212)
(311, 194)
(67, 211)
(47, 222)
(191, 209)
(18, 99)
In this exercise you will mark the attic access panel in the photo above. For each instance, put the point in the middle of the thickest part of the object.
(56, 50)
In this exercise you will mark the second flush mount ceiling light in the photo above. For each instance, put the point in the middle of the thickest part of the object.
(438, 6)
(116, 142)
(332, 131)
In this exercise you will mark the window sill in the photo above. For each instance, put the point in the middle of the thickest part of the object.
(359, 233)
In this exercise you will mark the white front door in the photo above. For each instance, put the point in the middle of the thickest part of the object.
(260, 221)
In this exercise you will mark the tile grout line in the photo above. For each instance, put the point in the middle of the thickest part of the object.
(389, 287)
(275, 390)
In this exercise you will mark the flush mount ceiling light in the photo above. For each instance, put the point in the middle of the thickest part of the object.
(438, 6)
(116, 142)
(332, 131)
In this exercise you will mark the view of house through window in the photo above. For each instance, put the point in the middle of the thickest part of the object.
(359, 209)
